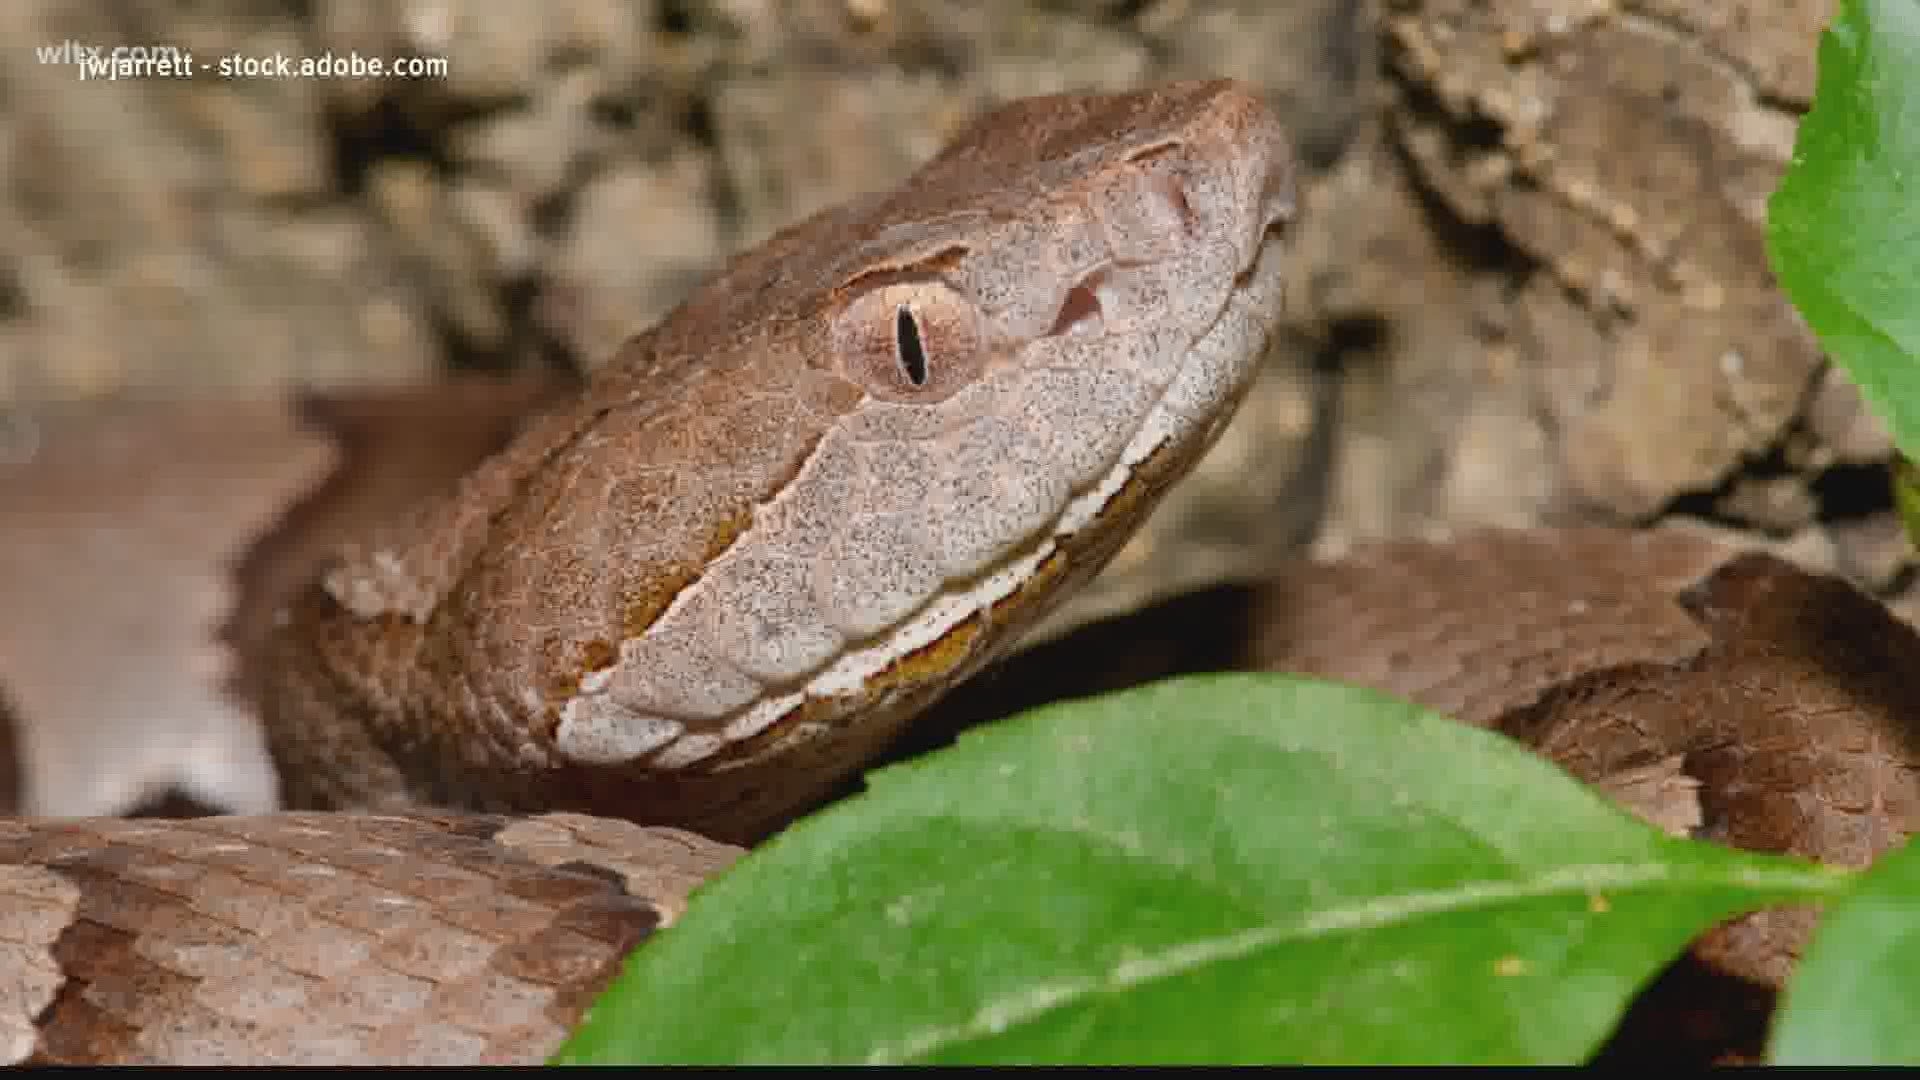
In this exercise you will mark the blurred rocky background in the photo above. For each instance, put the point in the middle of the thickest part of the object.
(1531, 283)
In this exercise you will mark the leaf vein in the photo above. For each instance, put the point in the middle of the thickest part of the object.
(997, 1016)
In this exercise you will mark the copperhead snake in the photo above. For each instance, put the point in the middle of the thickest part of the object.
(661, 616)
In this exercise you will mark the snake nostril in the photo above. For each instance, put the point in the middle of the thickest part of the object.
(1169, 188)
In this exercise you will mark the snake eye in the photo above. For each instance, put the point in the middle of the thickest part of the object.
(910, 342)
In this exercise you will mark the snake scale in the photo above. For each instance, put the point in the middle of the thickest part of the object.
(641, 623)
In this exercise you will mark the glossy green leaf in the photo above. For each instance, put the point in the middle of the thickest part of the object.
(1844, 227)
(1215, 869)
(1855, 996)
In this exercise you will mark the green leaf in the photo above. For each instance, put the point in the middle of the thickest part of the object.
(1844, 227)
(1236, 868)
(1852, 997)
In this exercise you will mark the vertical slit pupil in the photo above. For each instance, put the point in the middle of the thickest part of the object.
(913, 354)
